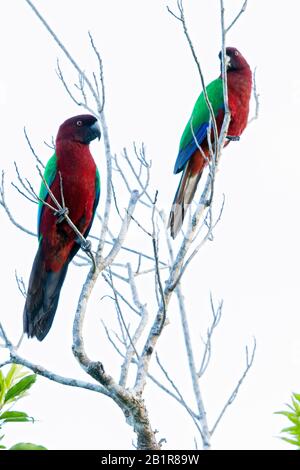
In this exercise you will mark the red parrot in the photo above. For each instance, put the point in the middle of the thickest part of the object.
(190, 160)
(57, 241)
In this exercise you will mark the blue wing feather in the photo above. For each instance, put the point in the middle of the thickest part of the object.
(200, 120)
(185, 154)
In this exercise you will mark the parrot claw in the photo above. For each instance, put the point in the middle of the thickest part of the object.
(61, 214)
(234, 138)
(86, 246)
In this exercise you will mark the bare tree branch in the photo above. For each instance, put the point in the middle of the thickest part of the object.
(71, 382)
(138, 332)
(143, 312)
(205, 434)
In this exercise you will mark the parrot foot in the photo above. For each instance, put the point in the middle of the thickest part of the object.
(61, 214)
(85, 245)
(234, 138)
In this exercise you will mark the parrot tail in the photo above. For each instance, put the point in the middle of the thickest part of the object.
(183, 197)
(42, 297)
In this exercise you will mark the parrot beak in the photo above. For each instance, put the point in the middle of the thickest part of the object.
(95, 129)
(91, 133)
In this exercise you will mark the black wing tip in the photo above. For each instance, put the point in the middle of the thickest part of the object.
(34, 330)
(36, 334)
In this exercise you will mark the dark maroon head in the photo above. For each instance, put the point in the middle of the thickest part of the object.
(234, 59)
(83, 129)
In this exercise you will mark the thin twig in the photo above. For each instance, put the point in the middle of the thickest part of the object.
(157, 271)
(32, 149)
(62, 47)
(23, 194)
(20, 179)
(123, 327)
(243, 9)
(132, 250)
(62, 79)
(7, 210)
(111, 340)
(118, 293)
(207, 350)
(182, 401)
(233, 395)
(21, 285)
(181, 18)
(256, 98)
(143, 312)
(101, 74)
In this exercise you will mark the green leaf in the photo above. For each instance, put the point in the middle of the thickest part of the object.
(10, 375)
(2, 388)
(17, 420)
(15, 373)
(27, 446)
(296, 406)
(295, 430)
(297, 396)
(291, 441)
(2, 447)
(15, 416)
(20, 373)
(20, 387)
(291, 416)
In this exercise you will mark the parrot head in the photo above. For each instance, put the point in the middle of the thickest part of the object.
(233, 59)
(83, 129)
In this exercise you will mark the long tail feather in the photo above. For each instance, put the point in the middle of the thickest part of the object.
(42, 297)
(183, 197)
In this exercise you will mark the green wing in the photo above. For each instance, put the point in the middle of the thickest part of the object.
(199, 122)
(49, 175)
(97, 188)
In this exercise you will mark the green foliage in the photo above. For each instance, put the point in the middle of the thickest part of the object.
(18, 390)
(293, 415)
(14, 416)
(13, 386)
(27, 446)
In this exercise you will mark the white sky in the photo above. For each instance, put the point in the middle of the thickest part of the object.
(253, 263)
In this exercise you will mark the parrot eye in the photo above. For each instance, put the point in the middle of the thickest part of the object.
(236, 53)
(79, 123)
